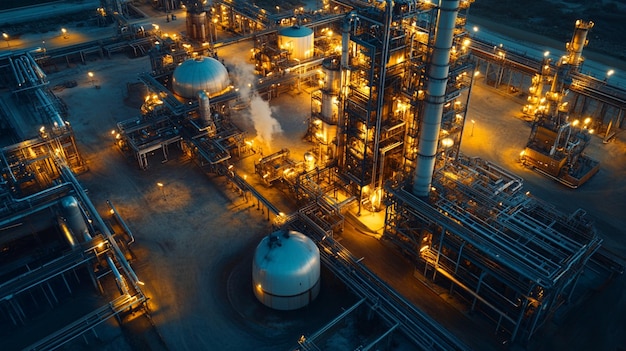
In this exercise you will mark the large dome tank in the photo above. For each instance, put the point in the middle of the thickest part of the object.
(201, 73)
(298, 41)
(286, 270)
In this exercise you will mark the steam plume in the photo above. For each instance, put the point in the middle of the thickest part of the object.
(260, 112)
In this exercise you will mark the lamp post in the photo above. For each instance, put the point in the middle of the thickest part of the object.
(6, 38)
(64, 32)
(609, 73)
(90, 74)
(473, 124)
(162, 187)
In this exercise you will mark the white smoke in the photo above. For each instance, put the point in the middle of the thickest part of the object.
(260, 112)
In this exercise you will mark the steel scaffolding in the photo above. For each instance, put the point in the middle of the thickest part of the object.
(507, 254)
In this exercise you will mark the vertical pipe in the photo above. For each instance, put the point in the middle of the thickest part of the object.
(119, 280)
(435, 96)
(343, 84)
(380, 94)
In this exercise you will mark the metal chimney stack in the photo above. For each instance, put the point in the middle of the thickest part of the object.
(435, 96)
(578, 42)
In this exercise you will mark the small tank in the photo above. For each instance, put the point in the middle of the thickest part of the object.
(286, 270)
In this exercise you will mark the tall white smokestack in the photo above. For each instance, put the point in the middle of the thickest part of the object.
(435, 96)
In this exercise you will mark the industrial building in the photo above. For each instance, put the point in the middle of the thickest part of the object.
(391, 86)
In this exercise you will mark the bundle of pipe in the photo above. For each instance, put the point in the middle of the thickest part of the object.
(435, 96)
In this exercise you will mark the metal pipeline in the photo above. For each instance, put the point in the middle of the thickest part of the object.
(18, 75)
(32, 78)
(435, 96)
(53, 114)
(69, 176)
(119, 280)
(38, 71)
(121, 222)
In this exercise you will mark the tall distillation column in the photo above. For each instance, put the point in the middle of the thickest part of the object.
(435, 96)
(344, 79)
(578, 42)
(325, 125)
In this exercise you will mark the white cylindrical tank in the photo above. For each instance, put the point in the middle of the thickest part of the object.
(330, 107)
(298, 41)
(332, 76)
(286, 270)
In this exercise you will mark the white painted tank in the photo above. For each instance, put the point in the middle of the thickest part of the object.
(332, 75)
(298, 41)
(286, 270)
(201, 73)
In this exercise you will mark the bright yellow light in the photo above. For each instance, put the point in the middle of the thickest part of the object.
(160, 184)
(587, 120)
(447, 142)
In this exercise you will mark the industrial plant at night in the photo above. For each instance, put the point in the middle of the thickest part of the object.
(319, 173)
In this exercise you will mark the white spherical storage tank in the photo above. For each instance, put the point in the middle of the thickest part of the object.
(286, 270)
(298, 41)
(201, 73)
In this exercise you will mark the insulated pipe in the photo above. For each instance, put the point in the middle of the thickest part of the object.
(32, 77)
(435, 96)
(18, 75)
(40, 73)
(119, 280)
(53, 114)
